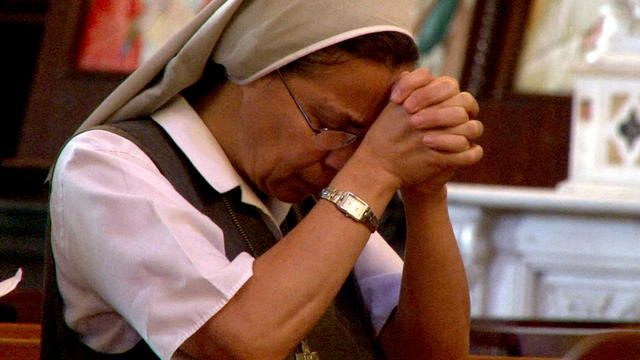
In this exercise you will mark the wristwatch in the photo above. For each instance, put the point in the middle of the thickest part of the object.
(352, 206)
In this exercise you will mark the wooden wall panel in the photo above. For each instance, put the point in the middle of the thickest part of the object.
(61, 97)
(526, 143)
(526, 139)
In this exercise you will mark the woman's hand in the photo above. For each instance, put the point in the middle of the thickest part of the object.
(425, 132)
(437, 105)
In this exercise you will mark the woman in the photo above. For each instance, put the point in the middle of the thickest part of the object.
(166, 222)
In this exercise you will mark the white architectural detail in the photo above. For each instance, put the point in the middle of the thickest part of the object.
(538, 253)
(605, 120)
(467, 222)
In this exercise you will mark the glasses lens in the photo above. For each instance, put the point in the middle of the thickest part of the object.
(333, 139)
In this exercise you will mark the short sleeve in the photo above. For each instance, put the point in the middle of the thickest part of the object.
(131, 254)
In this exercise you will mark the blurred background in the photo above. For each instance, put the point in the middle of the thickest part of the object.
(535, 252)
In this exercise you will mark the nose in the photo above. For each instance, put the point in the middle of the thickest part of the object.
(335, 159)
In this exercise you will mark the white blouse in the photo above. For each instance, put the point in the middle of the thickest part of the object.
(134, 259)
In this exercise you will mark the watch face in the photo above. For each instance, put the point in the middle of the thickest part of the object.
(354, 207)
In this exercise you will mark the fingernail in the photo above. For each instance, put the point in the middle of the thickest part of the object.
(427, 140)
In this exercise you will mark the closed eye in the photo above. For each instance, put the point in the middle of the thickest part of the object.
(334, 119)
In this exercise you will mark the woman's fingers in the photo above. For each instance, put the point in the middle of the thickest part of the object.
(426, 128)
(458, 159)
(451, 112)
(408, 83)
(439, 117)
(471, 129)
(464, 100)
(446, 142)
(454, 139)
(434, 93)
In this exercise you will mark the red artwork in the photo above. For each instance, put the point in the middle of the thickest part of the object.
(109, 41)
(119, 34)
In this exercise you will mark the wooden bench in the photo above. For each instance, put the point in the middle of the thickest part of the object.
(535, 338)
(20, 341)
(612, 345)
(492, 357)
(21, 306)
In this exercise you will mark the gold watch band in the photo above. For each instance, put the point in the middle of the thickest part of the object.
(352, 206)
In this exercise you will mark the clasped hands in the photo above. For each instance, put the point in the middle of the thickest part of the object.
(426, 131)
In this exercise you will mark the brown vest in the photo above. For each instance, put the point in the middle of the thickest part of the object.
(344, 331)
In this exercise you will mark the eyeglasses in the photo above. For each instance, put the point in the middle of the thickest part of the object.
(327, 139)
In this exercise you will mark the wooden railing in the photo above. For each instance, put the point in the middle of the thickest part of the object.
(19, 341)
(491, 357)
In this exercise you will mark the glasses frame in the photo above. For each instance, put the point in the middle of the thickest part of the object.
(320, 135)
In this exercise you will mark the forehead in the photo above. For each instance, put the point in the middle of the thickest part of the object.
(352, 91)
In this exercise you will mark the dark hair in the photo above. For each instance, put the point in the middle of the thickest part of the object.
(392, 49)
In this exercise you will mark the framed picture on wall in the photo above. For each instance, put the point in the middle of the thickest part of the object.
(442, 30)
(531, 47)
(557, 35)
(117, 35)
(526, 139)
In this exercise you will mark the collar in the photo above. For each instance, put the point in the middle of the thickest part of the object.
(186, 128)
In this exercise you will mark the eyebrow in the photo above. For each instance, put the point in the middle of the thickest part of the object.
(324, 113)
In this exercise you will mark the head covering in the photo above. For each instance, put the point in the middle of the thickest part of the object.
(250, 38)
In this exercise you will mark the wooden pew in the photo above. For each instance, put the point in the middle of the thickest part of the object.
(612, 345)
(21, 306)
(492, 357)
(20, 341)
(535, 338)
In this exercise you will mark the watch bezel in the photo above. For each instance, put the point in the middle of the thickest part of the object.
(346, 202)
